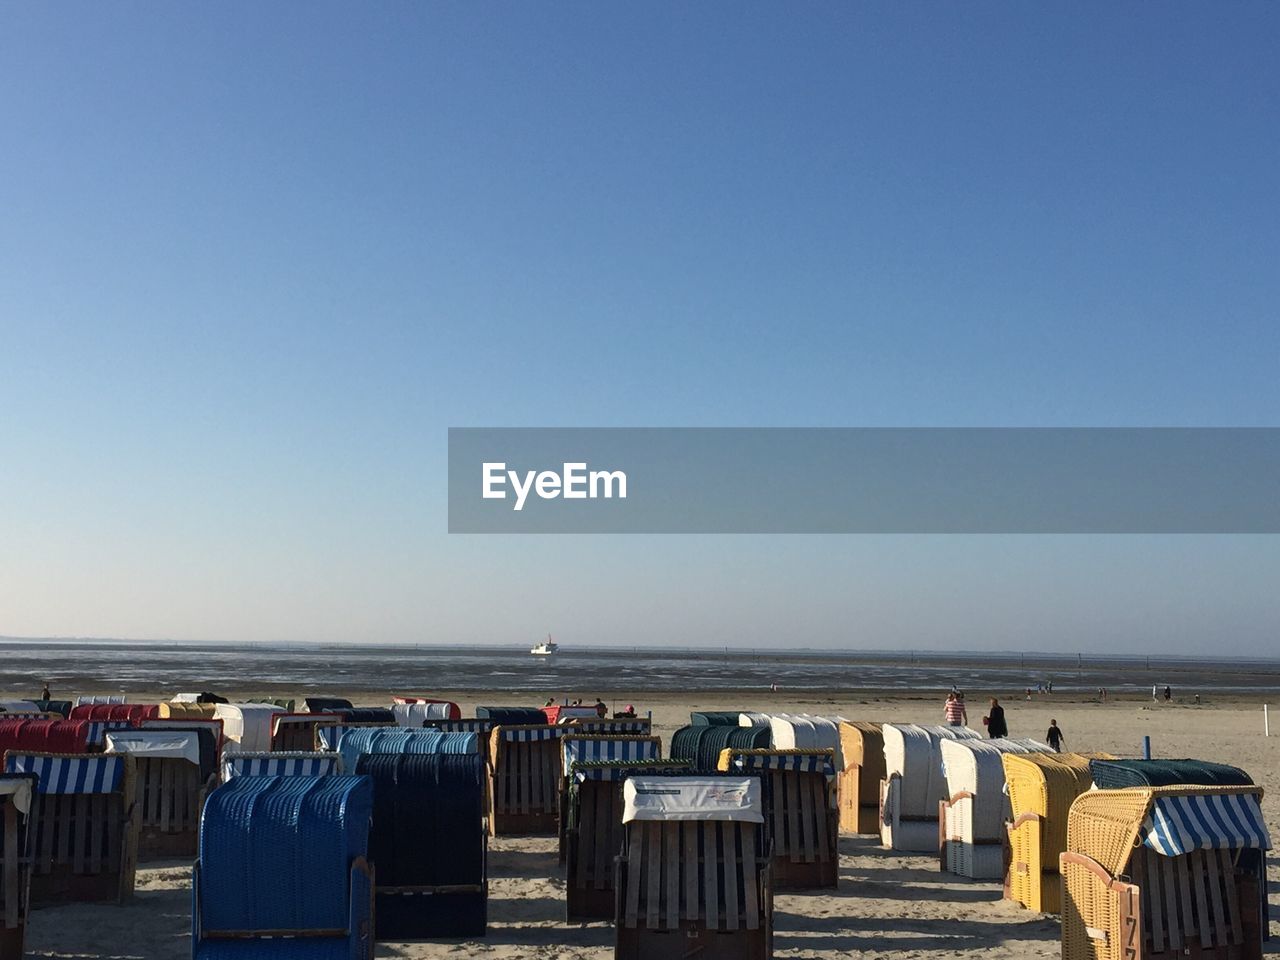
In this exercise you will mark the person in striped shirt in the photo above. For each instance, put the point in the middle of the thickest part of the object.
(954, 711)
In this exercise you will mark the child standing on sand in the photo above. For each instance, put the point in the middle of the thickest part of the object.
(1055, 737)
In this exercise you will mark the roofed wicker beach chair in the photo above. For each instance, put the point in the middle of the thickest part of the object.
(326, 704)
(575, 746)
(45, 736)
(524, 779)
(702, 744)
(283, 870)
(94, 699)
(281, 764)
(414, 711)
(800, 811)
(713, 718)
(329, 734)
(971, 821)
(914, 784)
(298, 732)
(247, 726)
(428, 844)
(85, 822)
(17, 803)
(481, 728)
(1042, 787)
(512, 716)
(693, 877)
(399, 740)
(791, 731)
(186, 710)
(639, 726)
(593, 830)
(1156, 873)
(175, 770)
(858, 784)
(193, 722)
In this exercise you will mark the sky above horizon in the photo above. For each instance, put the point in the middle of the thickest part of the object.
(256, 259)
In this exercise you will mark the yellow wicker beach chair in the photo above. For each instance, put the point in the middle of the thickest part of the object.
(1042, 787)
(187, 711)
(862, 745)
(1157, 873)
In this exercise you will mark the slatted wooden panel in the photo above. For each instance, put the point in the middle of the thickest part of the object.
(599, 834)
(295, 737)
(1190, 903)
(11, 852)
(683, 871)
(800, 809)
(84, 831)
(525, 778)
(168, 793)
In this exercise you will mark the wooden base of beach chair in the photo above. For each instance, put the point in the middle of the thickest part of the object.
(857, 816)
(692, 940)
(63, 885)
(585, 905)
(693, 889)
(155, 845)
(790, 875)
(11, 942)
(590, 849)
(170, 797)
(1192, 906)
(522, 824)
(431, 913)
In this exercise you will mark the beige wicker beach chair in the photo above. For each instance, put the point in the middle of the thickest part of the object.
(1158, 873)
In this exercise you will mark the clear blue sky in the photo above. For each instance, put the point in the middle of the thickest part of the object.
(256, 258)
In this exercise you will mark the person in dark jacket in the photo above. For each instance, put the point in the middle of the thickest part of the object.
(1054, 737)
(996, 727)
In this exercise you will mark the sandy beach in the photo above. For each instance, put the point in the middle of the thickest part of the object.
(886, 904)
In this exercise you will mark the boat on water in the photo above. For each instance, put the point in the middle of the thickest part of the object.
(546, 648)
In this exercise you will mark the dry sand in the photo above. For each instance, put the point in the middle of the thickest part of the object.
(886, 905)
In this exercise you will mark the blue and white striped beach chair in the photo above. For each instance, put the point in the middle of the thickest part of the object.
(283, 872)
(280, 764)
(86, 826)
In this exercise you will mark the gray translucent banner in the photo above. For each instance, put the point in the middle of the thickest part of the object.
(864, 480)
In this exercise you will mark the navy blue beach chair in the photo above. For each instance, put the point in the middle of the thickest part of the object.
(283, 872)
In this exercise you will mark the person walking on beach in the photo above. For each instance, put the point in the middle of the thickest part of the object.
(1168, 694)
(954, 712)
(44, 694)
(996, 726)
(1055, 737)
